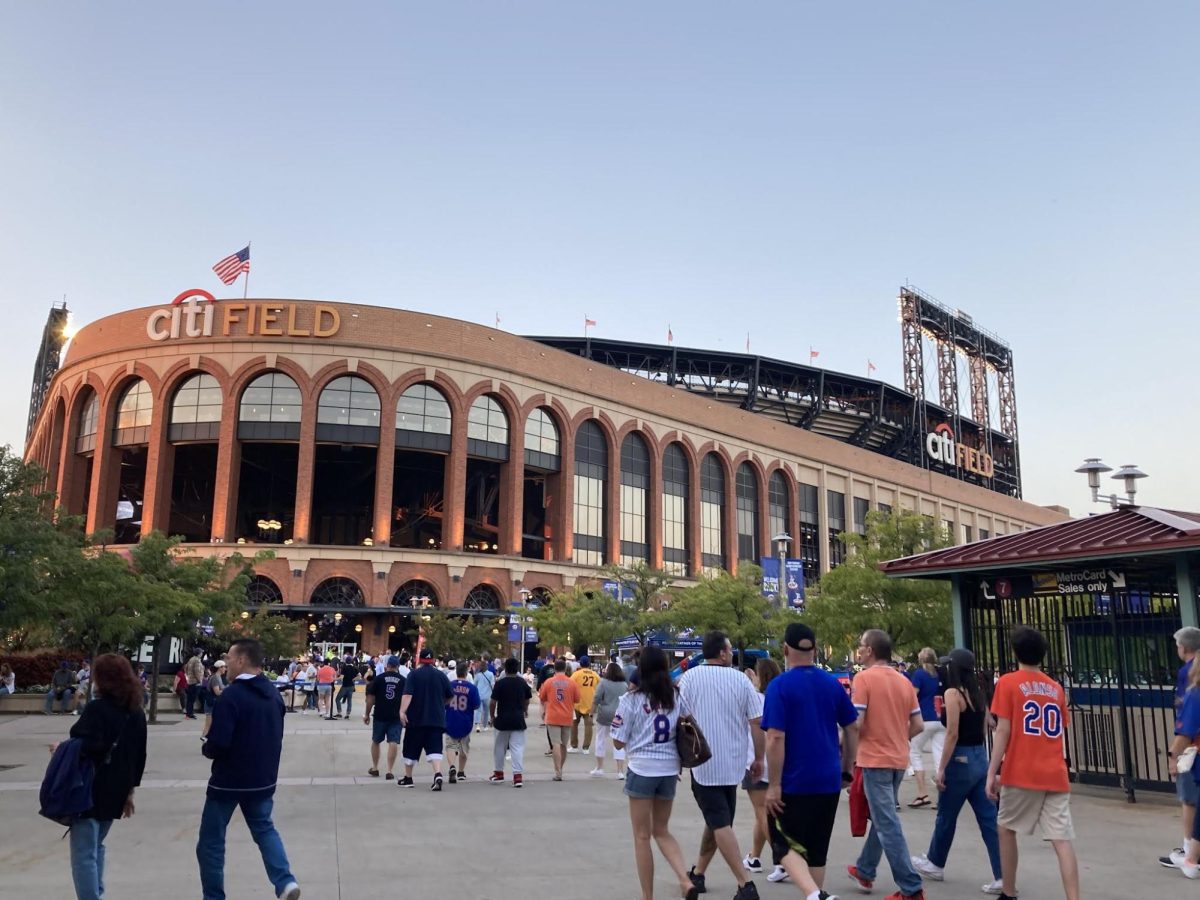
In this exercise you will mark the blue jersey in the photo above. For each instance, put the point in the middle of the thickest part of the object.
(460, 709)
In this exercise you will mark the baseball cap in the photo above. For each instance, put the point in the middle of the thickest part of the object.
(452, 664)
(584, 661)
(960, 657)
(799, 636)
(426, 653)
(219, 664)
(393, 661)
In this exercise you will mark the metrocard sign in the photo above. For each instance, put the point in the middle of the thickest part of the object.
(941, 445)
(194, 314)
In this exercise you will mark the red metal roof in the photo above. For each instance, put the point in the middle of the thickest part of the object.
(1128, 531)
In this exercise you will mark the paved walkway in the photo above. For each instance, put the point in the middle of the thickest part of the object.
(360, 838)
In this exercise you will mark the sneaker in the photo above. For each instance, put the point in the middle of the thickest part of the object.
(697, 881)
(437, 783)
(291, 891)
(374, 773)
(406, 781)
(620, 776)
(779, 875)
(900, 895)
(747, 891)
(517, 780)
(389, 777)
(864, 884)
(928, 869)
(1189, 871)
(1007, 897)
(1168, 861)
(462, 776)
(496, 778)
(994, 887)
(573, 750)
(597, 773)
(1176, 858)
(824, 896)
(751, 863)
(453, 777)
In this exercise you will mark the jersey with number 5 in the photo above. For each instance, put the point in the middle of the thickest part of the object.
(1036, 708)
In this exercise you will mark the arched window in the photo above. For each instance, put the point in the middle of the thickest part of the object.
(270, 409)
(712, 514)
(338, 592)
(85, 439)
(261, 590)
(196, 410)
(746, 490)
(415, 594)
(779, 507)
(635, 499)
(541, 441)
(423, 419)
(487, 429)
(134, 411)
(674, 510)
(348, 412)
(591, 486)
(482, 596)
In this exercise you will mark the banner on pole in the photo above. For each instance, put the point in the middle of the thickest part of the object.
(792, 590)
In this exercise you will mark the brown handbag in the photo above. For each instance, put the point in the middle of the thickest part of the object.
(689, 739)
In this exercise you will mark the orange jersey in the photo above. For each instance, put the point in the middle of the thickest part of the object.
(559, 696)
(1036, 708)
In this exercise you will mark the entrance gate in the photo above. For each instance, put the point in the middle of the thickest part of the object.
(1113, 651)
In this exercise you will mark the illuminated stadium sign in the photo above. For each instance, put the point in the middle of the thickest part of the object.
(940, 445)
(194, 314)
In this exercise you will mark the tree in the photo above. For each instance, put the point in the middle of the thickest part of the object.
(37, 550)
(98, 603)
(857, 595)
(281, 637)
(461, 637)
(733, 604)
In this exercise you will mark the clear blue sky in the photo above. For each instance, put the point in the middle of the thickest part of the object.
(771, 168)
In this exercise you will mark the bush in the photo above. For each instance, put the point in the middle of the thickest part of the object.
(38, 668)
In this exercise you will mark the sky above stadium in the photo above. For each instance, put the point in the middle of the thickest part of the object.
(775, 170)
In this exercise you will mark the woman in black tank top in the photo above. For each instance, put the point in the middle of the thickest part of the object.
(962, 774)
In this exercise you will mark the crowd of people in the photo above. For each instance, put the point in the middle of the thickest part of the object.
(791, 737)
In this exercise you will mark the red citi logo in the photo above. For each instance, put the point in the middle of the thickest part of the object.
(940, 445)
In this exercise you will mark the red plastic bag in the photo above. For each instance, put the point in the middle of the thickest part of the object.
(860, 812)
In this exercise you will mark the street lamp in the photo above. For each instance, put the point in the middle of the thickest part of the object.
(782, 540)
(525, 593)
(1129, 474)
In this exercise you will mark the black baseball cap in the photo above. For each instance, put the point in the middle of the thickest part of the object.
(799, 636)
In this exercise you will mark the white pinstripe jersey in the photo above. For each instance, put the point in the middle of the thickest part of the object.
(648, 735)
(723, 701)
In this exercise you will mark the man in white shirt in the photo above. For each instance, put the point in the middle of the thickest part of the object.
(728, 710)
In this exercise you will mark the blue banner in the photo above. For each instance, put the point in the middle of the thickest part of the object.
(514, 632)
(792, 591)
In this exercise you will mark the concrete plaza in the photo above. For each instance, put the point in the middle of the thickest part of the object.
(360, 838)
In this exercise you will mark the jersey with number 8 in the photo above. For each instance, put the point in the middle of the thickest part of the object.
(1035, 706)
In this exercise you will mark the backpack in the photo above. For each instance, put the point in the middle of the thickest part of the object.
(67, 786)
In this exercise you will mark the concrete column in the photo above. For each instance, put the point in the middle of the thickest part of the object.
(793, 524)
(563, 506)
(106, 472)
(612, 509)
(160, 471)
(654, 511)
(72, 486)
(729, 525)
(695, 557)
(454, 491)
(959, 611)
(512, 493)
(385, 472)
(302, 527)
(1186, 587)
(823, 521)
(229, 473)
(766, 547)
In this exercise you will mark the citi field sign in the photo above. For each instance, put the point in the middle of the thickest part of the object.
(194, 314)
(940, 445)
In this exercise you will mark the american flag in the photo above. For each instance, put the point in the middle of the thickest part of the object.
(233, 265)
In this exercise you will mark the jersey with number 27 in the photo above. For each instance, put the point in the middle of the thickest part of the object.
(1036, 708)
(648, 734)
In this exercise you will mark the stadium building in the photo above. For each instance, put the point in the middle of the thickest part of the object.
(395, 460)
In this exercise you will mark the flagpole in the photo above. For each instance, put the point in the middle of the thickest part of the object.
(246, 283)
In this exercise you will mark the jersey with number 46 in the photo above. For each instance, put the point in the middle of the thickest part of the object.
(1036, 707)
(648, 734)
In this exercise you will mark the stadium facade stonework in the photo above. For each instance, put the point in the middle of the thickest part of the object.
(408, 398)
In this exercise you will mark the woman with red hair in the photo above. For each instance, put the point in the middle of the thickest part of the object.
(113, 730)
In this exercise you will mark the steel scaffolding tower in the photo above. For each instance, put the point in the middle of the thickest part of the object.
(54, 336)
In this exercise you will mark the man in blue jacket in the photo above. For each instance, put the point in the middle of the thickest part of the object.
(244, 743)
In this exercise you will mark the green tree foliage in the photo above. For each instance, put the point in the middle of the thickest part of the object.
(733, 604)
(281, 637)
(461, 637)
(38, 553)
(856, 595)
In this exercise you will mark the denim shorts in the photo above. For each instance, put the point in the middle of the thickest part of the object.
(650, 787)
(1186, 789)
(390, 731)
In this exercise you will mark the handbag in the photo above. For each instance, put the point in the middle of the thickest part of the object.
(689, 740)
(1187, 758)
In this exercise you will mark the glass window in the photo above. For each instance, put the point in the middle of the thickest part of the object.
(984, 534)
(591, 484)
(197, 400)
(541, 434)
(635, 499)
(810, 544)
(861, 508)
(348, 400)
(837, 524)
(674, 511)
(486, 421)
(136, 406)
(712, 514)
(885, 508)
(271, 397)
(423, 408)
(779, 507)
(85, 440)
(746, 489)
